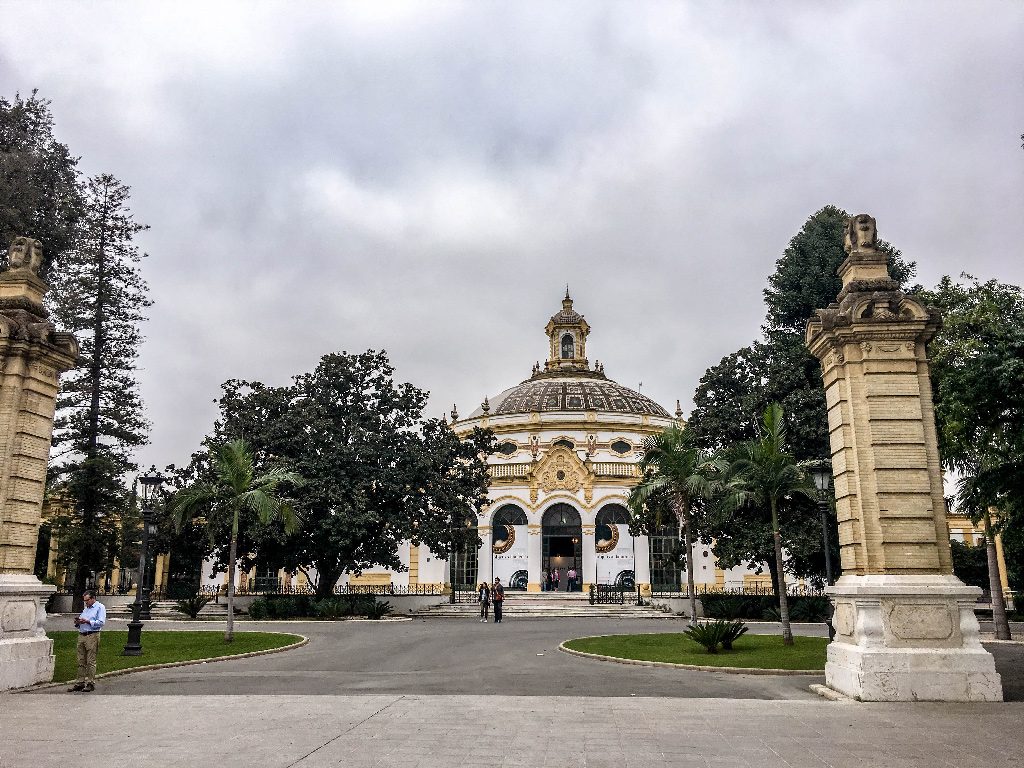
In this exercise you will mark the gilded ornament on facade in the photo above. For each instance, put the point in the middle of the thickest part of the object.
(607, 545)
(501, 547)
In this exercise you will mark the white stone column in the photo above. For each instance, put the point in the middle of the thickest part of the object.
(485, 561)
(642, 564)
(534, 557)
(589, 557)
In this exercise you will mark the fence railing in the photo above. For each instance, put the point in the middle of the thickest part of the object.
(714, 589)
(217, 590)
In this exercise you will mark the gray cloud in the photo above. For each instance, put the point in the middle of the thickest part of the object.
(426, 178)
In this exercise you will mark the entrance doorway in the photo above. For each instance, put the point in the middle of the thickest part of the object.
(562, 545)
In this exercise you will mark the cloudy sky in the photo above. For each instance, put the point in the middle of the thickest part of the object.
(427, 177)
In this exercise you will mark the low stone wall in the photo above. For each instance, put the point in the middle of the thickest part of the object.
(679, 606)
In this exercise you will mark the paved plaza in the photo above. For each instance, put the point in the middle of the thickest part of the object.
(461, 693)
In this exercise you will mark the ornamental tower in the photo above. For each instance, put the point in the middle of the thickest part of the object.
(567, 333)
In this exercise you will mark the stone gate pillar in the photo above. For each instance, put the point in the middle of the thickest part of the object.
(32, 356)
(905, 625)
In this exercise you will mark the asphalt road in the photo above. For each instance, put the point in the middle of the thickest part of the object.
(458, 656)
(447, 656)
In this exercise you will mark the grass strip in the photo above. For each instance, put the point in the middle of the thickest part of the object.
(160, 647)
(750, 651)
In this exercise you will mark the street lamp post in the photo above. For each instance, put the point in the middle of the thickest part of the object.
(823, 482)
(150, 482)
(822, 476)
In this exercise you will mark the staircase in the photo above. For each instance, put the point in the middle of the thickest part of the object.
(546, 605)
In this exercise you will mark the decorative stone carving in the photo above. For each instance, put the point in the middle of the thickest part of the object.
(561, 470)
(860, 234)
(25, 254)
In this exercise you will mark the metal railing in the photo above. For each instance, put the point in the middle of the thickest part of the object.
(797, 590)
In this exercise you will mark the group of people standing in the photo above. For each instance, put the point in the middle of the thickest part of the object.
(552, 580)
(491, 593)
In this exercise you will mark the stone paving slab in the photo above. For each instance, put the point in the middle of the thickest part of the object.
(536, 731)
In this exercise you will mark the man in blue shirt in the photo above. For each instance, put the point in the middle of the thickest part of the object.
(89, 622)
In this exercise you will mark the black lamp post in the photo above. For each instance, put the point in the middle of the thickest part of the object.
(150, 482)
(823, 482)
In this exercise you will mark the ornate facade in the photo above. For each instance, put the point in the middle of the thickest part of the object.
(569, 442)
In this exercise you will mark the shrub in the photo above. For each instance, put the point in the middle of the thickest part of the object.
(191, 606)
(734, 630)
(332, 608)
(709, 635)
(258, 608)
(378, 610)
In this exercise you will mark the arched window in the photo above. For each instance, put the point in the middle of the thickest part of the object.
(606, 529)
(613, 513)
(567, 347)
(509, 514)
(561, 515)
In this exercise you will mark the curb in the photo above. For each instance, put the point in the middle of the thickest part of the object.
(693, 667)
(167, 665)
(827, 693)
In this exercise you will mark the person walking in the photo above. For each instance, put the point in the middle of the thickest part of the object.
(556, 577)
(89, 622)
(484, 594)
(572, 579)
(497, 597)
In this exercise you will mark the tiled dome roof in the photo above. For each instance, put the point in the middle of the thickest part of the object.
(572, 393)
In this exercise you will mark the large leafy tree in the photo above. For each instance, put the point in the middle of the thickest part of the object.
(686, 477)
(376, 472)
(762, 474)
(779, 369)
(99, 422)
(237, 487)
(977, 367)
(40, 193)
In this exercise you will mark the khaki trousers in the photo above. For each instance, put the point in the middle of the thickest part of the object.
(88, 647)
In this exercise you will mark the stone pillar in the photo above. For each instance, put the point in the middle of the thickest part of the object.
(484, 557)
(32, 356)
(642, 564)
(589, 556)
(534, 556)
(905, 625)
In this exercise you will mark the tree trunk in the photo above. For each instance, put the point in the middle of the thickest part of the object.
(229, 634)
(787, 631)
(995, 586)
(690, 586)
(691, 590)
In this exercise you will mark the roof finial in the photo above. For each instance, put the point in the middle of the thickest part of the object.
(455, 413)
(679, 410)
(567, 291)
(485, 406)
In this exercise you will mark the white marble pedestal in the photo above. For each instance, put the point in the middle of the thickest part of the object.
(26, 653)
(908, 638)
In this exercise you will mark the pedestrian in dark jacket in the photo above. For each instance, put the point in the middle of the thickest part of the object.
(484, 594)
(497, 597)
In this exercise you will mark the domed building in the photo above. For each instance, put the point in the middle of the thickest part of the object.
(569, 442)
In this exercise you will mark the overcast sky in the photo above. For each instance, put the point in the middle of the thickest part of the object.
(425, 178)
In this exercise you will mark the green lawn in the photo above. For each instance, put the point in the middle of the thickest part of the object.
(752, 651)
(160, 648)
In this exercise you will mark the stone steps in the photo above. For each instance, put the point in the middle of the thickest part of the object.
(545, 606)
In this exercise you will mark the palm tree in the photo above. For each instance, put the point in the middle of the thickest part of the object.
(237, 488)
(764, 473)
(676, 469)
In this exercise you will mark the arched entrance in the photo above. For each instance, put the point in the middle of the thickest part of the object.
(561, 542)
(616, 548)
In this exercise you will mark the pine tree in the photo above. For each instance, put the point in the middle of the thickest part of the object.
(101, 297)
